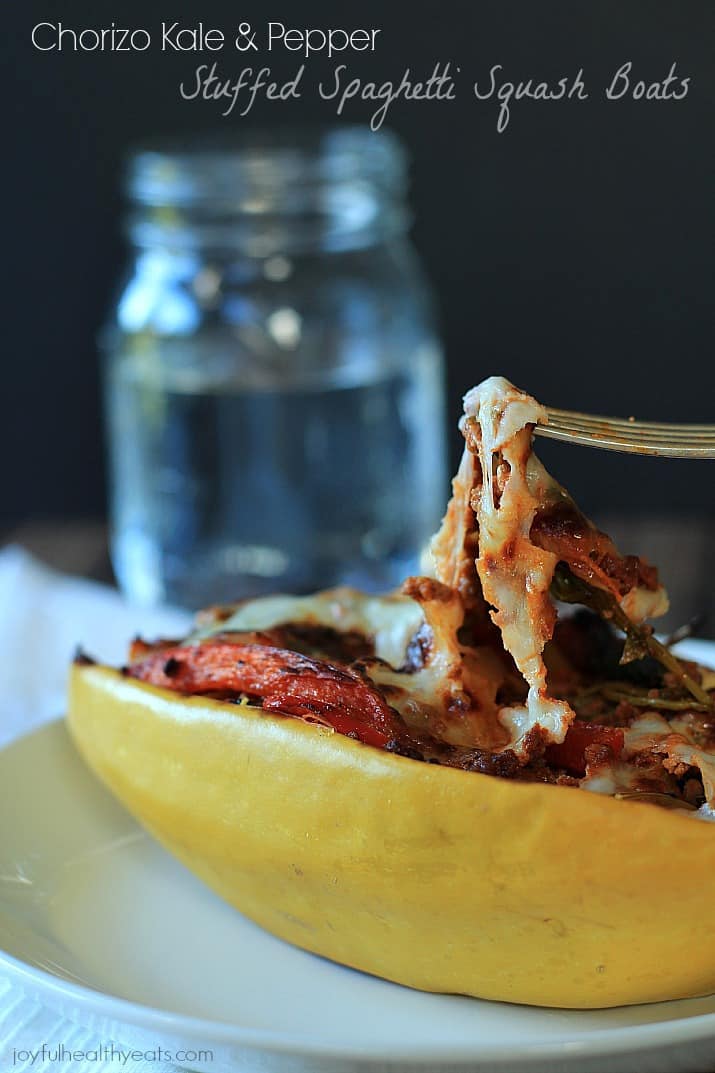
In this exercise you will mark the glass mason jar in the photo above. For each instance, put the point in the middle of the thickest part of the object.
(273, 377)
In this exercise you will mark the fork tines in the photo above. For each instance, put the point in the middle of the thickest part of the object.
(629, 435)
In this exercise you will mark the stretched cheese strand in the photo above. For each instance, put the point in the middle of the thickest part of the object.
(449, 547)
(515, 575)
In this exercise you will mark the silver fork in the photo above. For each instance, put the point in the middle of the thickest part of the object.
(630, 436)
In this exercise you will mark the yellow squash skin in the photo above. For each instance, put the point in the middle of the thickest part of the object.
(435, 878)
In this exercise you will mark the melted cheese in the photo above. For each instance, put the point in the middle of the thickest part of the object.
(645, 732)
(668, 744)
(515, 575)
(609, 779)
(391, 621)
(644, 735)
(448, 547)
(640, 603)
(680, 747)
(455, 691)
(679, 751)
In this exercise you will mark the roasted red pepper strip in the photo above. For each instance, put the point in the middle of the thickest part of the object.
(570, 754)
(284, 681)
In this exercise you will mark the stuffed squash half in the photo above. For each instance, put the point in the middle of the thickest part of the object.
(491, 782)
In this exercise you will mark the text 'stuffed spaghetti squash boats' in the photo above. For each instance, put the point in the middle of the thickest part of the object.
(438, 786)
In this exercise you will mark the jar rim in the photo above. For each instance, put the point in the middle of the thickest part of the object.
(262, 164)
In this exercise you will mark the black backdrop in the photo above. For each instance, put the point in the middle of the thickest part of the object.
(573, 252)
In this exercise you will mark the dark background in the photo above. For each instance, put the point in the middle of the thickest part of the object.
(573, 252)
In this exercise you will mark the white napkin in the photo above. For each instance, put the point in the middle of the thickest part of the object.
(44, 616)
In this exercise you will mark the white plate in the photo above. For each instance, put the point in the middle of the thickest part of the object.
(100, 923)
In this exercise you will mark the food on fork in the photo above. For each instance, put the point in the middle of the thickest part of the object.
(453, 786)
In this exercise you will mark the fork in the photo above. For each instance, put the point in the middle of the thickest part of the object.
(628, 435)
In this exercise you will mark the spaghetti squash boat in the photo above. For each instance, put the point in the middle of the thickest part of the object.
(452, 786)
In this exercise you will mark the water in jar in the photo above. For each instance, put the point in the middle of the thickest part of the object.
(225, 489)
